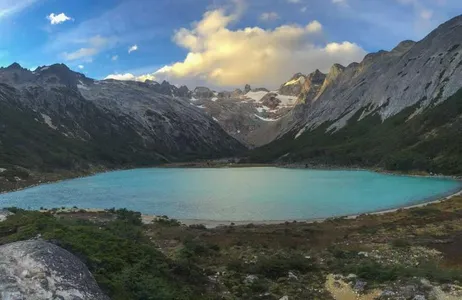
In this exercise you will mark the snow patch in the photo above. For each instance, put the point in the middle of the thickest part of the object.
(214, 99)
(300, 132)
(215, 119)
(257, 96)
(82, 86)
(48, 121)
(2, 170)
(265, 119)
(286, 100)
(260, 109)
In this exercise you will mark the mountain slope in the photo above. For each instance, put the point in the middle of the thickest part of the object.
(398, 110)
(56, 118)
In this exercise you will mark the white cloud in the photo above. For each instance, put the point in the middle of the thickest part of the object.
(81, 67)
(220, 56)
(114, 57)
(126, 76)
(294, 1)
(94, 46)
(58, 19)
(133, 48)
(269, 16)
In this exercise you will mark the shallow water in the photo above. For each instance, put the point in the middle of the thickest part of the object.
(236, 194)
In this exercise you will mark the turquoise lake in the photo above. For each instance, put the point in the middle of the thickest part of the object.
(239, 194)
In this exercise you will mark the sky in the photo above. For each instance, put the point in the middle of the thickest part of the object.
(217, 43)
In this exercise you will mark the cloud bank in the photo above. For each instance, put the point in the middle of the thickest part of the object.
(220, 56)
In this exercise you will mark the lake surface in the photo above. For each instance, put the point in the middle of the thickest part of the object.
(239, 194)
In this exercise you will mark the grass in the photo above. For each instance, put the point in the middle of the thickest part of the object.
(167, 260)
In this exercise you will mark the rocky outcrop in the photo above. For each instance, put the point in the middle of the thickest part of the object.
(247, 88)
(271, 101)
(312, 86)
(260, 89)
(203, 93)
(294, 86)
(39, 270)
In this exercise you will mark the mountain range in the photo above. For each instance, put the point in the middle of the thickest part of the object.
(398, 109)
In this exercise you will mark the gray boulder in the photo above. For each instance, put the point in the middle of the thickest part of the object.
(38, 270)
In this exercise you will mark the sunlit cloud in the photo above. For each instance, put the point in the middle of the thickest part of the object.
(220, 56)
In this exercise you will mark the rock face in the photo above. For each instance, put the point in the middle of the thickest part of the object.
(312, 87)
(424, 73)
(39, 270)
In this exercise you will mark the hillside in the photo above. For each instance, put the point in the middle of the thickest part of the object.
(54, 118)
(399, 110)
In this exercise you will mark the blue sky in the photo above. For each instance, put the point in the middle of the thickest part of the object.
(94, 36)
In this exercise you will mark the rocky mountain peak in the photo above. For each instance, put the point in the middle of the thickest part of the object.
(294, 86)
(202, 92)
(247, 88)
(14, 66)
(316, 77)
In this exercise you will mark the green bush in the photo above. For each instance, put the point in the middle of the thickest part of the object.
(122, 259)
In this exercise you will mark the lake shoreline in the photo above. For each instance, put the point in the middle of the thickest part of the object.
(215, 223)
(210, 224)
(59, 177)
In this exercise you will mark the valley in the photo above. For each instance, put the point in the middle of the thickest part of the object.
(212, 156)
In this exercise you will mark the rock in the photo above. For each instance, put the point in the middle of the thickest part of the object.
(203, 93)
(284, 298)
(4, 214)
(365, 254)
(247, 88)
(360, 286)
(292, 276)
(271, 101)
(387, 293)
(40, 270)
(408, 291)
(419, 297)
(250, 279)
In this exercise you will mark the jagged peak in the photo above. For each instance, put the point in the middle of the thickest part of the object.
(297, 76)
(316, 77)
(317, 72)
(14, 66)
(201, 89)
